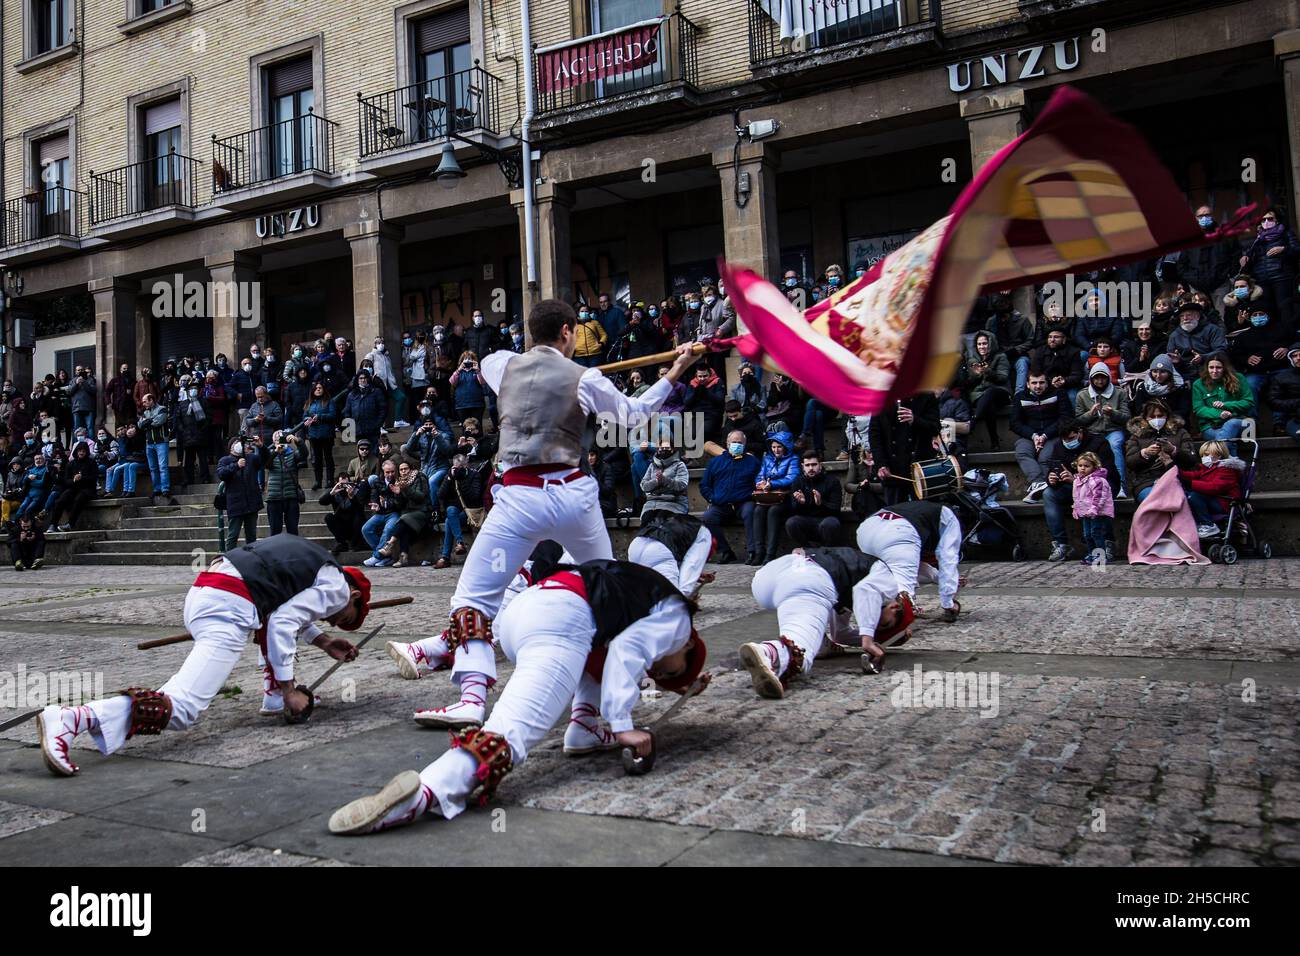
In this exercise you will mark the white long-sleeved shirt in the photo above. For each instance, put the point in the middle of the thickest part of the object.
(631, 654)
(905, 558)
(870, 594)
(295, 620)
(948, 552)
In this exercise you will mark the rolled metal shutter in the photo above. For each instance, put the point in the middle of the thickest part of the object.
(442, 31)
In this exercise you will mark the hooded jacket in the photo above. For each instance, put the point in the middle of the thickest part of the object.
(1092, 495)
(1284, 390)
(1175, 393)
(664, 484)
(1232, 306)
(1222, 480)
(1114, 411)
(997, 375)
(783, 471)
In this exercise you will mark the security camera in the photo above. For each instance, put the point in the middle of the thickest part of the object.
(759, 129)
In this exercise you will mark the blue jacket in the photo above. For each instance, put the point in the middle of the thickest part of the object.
(1087, 328)
(432, 451)
(729, 480)
(781, 472)
(325, 427)
(241, 386)
(243, 493)
(468, 391)
(367, 409)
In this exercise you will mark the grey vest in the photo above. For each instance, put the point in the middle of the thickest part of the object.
(541, 420)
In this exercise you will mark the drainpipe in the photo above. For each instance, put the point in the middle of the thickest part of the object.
(530, 226)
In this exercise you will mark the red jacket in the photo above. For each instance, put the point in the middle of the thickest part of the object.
(1222, 480)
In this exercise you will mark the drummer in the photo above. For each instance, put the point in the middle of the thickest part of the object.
(907, 536)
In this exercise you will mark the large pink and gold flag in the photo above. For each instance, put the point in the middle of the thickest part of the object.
(1077, 191)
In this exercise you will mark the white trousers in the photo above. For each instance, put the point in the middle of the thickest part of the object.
(804, 598)
(655, 555)
(896, 542)
(221, 623)
(521, 517)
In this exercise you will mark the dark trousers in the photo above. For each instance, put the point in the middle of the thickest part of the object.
(72, 501)
(715, 516)
(189, 456)
(216, 442)
(986, 410)
(767, 522)
(345, 526)
(27, 551)
(283, 514)
(322, 456)
(234, 523)
(809, 532)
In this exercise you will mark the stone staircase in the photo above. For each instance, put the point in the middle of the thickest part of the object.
(133, 532)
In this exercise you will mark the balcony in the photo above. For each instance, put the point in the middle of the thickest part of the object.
(788, 37)
(42, 224)
(651, 66)
(142, 197)
(270, 164)
(406, 128)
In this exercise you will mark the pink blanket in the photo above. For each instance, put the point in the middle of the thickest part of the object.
(1163, 529)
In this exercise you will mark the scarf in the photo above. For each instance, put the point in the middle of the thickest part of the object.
(1272, 235)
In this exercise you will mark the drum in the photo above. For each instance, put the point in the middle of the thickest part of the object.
(936, 477)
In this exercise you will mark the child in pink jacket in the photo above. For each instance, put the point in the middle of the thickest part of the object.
(1093, 505)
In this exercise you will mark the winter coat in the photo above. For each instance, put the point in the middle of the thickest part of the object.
(1039, 415)
(894, 444)
(218, 407)
(142, 388)
(1284, 393)
(20, 420)
(1233, 307)
(612, 321)
(361, 469)
(707, 400)
(469, 391)
(1055, 456)
(382, 363)
(192, 431)
(828, 486)
(482, 341)
(80, 473)
(729, 480)
(673, 403)
(83, 394)
(282, 475)
(1135, 360)
(780, 472)
(328, 373)
(323, 409)
(1176, 393)
(120, 398)
(642, 338)
(997, 375)
(664, 484)
(243, 493)
(1266, 268)
(591, 339)
(1205, 268)
(154, 425)
(367, 408)
(466, 486)
(785, 403)
(1204, 397)
(1114, 411)
(297, 394)
(1205, 340)
(433, 452)
(1222, 480)
(1144, 472)
(241, 388)
(1064, 362)
(416, 508)
(749, 392)
(1015, 334)
(274, 417)
(1089, 328)
(1092, 495)
(755, 436)
(1263, 341)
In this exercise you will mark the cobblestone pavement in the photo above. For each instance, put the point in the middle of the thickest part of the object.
(1128, 716)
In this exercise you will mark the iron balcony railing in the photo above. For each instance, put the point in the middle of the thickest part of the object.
(142, 186)
(429, 111)
(299, 145)
(784, 28)
(618, 61)
(44, 213)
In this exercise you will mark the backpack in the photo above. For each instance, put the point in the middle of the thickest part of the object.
(219, 499)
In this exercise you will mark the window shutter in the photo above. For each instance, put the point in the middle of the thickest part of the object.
(54, 149)
(442, 31)
(290, 77)
(162, 116)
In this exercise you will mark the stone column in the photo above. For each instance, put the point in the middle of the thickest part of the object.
(376, 286)
(749, 232)
(235, 304)
(552, 204)
(1286, 46)
(115, 331)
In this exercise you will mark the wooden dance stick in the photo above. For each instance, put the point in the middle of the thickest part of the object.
(659, 358)
(180, 638)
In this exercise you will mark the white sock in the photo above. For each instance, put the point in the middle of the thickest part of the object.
(777, 655)
(473, 689)
(409, 810)
(434, 650)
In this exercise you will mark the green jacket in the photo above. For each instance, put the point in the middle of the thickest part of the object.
(416, 506)
(282, 476)
(1203, 399)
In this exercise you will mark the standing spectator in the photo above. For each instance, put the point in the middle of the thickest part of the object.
(430, 445)
(986, 378)
(641, 337)
(815, 503)
(157, 443)
(192, 423)
(469, 388)
(706, 398)
(1157, 441)
(1271, 260)
(1162, 381)
(728, 487)
(345, 358)
(367, 407)
(1104, 410)
(460, 496)
(777, 475)
(1037, 414)
(77, 488)
(610, 317)
(1214, 485)
(442, 357)
(1258, 348)
(1094, 506)
(214, 393)
(900, 437)
(1014, 334)
(319, 417)
(391, 380)
(239, 470)
(591, 337)
(1221, 401)
(282, 490)
(144, 386)
(297, 396)
(120, 396)
(481, 338)
(665, 481)
(27, 544)
(1208, 267)
(84, 392)
(63, 413)
(1059, 458)
(1195, 339)
(347, 500)
(264, 417)
(243, 386)
(1284, 397)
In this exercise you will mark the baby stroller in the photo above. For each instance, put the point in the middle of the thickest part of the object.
(987, 524)
(1239, 534)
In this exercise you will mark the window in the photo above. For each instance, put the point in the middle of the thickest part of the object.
(610, 15)
(52, 25)
(291, 130)
(161, 167)
(65, 360)
(55, 166)
(149, 6)
(445, 84)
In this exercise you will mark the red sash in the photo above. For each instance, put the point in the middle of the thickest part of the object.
(236, 586)
(572, 581)
(530, 476)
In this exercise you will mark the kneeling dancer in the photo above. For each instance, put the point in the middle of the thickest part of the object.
(812, 591)
(675, 545)
(277, 588)
(553, 632)
(905, 534)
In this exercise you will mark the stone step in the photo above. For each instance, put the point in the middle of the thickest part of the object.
(195, 531)
(175, 545)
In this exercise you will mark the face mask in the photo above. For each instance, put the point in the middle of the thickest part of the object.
(426, 411)
(408, 342)
(246, 367)
(1188, 326)
(710, 299)
(791, 283)
(1241, 294)
(1157, 423)
(833, 281)
(254, 354)
(1071, 444)
(478, 321)
(237, 449)
(663, 454)
(194, 393)
(325, 368)
(221, 363)
(736, 448)
(103, 438)
(694, 306)
(654, 313)
(584, 316)
(1258, 320)
(859, 273)
(1205, 222)
(297, 353)
(1207, 461)
(816, 296)
(30, 442)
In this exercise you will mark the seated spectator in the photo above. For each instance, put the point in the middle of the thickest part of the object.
(385, 509)
(1104, 409)
(347, 500)
(1164, 317)
(27, 544)
(130, 462)
(37, 483)
(785, 402)
(1104, 351)
(367, 407)
(1139, 352)
(77, 488)
(415, 510)
(596, 467)
(461, 495)
(474, 445)
(954, 421)
(665, 481)
(635, 385)
(748, 392)
(1059, 458)
(13, 489)
(1097, 319)
(706, 398)
(1194, 340)
(1258, 348)
(1244, 295)
(745, 419)
(985, 376)
(1221, 401)
(365, 465)
(282, 490)
(430, 446)
(1014, 335)
(1060, 362)
(772, 488)
(728, 487)
(816, 499)
(1284, 396)
(1157, 441)
(1214, 484)
(1094, 506)
(1037, 414)
(1162, 381)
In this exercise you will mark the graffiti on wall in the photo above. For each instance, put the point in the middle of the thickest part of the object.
(598, 269)
(439, 303)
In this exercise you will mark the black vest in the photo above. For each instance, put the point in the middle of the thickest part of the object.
(675, 532)
(846, 566)
(276, 568)
(544, 559)
(620, 594)
(924, 517)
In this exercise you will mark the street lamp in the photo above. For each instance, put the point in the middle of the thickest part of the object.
(449, 173)
(509, 161)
